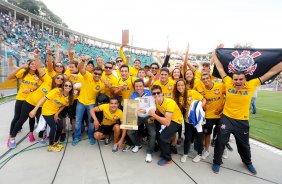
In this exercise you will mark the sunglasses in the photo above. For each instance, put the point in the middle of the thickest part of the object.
(67, 85)
(108, 67)
(119, 61)
(156, 93)
(154, 68)
(95, 73)
(60, 66)
(60, 78)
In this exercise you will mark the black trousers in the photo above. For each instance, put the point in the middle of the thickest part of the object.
(190, 130)
(240, 130)
(25, 109)
(164, 139)
(55, 128)
(17, 113)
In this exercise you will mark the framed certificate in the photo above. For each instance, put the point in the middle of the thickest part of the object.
(130, 114)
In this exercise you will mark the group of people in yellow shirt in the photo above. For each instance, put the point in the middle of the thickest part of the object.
(55, 91)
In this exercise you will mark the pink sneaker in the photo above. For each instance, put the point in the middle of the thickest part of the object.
(31, 138)
(8, 143)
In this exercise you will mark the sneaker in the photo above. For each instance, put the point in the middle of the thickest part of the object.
(13, 144)
(191, 148)
(212, 142)
(225, 154)
(75, 142)
(107, 142)
(251, 168)
(136, 149)
(31, 138)
(198, 158)
(53, 148)
(8, 142)
(163, 162)
(115, 148)
(126, 148)
(63, 137)
(58, 145)
(215, 168)
(229, 147)
(92, 141)
(173, 149)
(179, 141)
(148, 158)
(42, 141)
(205, 154)
(183, 158)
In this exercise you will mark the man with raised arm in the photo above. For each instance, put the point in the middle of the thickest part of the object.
(235, 116)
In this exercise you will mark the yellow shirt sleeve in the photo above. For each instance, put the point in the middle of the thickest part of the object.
(20, 73)
(121, 53)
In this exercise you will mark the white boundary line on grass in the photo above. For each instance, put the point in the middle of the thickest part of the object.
(267, 147)
(269, 110)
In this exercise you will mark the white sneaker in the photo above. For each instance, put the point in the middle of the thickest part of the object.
(183, 158)
(136, 149)
(205, 154)
(198, 158)
(191, 148)
(225, 154)
(148, 158)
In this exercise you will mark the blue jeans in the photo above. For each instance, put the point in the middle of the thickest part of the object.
(151, 127)
(80, 108)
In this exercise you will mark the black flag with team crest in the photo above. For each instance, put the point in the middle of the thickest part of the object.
(253, 62)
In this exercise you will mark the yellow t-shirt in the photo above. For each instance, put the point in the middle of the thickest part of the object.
(67, 72)
(54, 101)
(197, 74)
(215, 99)
(198, 86)
(90, 89)
(133, 71)
(110, 118)
(74, 80)
(28, 82)
(110, 79)
(40, 92)
(167, 89)
(170, 106)
(237, 103)
(128, 89)
(191, 96)
(52, 74)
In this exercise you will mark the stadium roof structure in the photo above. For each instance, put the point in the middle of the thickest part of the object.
(83, 163)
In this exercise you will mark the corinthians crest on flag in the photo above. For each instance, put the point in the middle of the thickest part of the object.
(253, 62)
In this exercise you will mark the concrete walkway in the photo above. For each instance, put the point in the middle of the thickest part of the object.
(31, 163)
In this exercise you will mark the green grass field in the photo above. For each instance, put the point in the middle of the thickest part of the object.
(266, 125)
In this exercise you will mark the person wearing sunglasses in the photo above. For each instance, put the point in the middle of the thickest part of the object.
(73, 75)
(108, 79)
(169, 117)
(57, 67)
(92, 86)
(155, 70)
(52, 105)
(30, 80)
